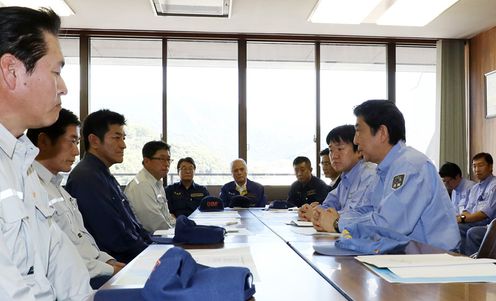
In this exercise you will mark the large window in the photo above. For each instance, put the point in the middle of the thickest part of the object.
(280, 109)
(349, 75)
(202, 107)
(126, 77)
(70, 73)
(416, 97)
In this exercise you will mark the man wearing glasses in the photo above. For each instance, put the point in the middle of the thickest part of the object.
(105, 208)
(146, 191)
(185, 196)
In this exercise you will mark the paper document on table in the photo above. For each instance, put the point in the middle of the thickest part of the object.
(389, 261)
(312, 231)
(222, 222)
(168, 232)
(226, 257)
(231, 231)
(484, 269)
(300, 223)
(218, 214)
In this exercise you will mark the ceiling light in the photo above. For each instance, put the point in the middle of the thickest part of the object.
(342, 11)
(414, 12)
(58, 6)
(196, 8)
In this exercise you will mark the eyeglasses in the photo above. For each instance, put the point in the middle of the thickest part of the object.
(186, 169)
(163, 160)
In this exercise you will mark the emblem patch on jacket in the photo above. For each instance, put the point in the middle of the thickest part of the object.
(398, 181)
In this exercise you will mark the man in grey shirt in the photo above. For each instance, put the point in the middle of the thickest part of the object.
(58, 146)
(146, 192)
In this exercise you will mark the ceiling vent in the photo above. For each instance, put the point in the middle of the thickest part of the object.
(192, 8)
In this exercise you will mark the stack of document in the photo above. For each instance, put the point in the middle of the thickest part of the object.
(431, 268)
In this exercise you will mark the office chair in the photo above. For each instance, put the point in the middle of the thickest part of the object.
(488, 245)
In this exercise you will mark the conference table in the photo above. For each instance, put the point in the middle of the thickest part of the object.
(287, 268)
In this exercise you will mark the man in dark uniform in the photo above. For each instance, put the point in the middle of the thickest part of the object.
(185, 196)
(308, 188)
(241, 185)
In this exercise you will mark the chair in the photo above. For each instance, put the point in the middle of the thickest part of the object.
(488, 245)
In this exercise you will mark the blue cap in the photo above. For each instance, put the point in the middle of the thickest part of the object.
(211, 203)
(178, 277)
(368, 239)
(187, 231)
(278, 204)
(241, 201)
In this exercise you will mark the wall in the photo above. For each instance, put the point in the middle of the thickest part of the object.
(482, 60)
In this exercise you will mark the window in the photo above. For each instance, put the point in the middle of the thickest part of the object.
(416, 98)
(280, 109)
(126, 77)
(349, 75)
(202, 107)
(70, 73)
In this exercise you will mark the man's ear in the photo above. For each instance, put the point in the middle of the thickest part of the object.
(94, 141)
(44, 141)
(8, 68)
(384, 133)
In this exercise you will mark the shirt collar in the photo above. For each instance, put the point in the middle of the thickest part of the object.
(150, 177)
(25, 148)
(238, 187)
(7, 141)
(486, 180)
(383, 167)
(348, 176)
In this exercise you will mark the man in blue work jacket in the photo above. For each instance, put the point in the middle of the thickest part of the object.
(408, 195)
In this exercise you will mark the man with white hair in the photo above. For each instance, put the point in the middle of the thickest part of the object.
(242, 186)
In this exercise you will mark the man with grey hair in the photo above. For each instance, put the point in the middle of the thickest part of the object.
(242, 186)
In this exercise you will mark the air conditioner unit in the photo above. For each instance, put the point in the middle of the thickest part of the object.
(192, 8)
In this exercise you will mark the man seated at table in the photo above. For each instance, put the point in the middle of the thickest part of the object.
(407, 195)
(105, 208)
(457, 186)
(328, 169)
(479, 206)
(307, 188)
(146, 193)
(356, 174)
(242, 186)
(185, 196)
(58, 146)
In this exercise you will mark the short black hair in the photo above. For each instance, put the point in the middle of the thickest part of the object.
(56, 130)
(487, 157)
(344, 133)
(98, 123)
(152, 147)
(22, 33)
(301, 159)
(377, 112)
(324, 152)
(450, 169)
(187, 159)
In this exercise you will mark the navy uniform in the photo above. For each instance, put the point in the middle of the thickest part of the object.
(313, 191)
(409, 197)
(182, 200)
(252, 190)
(106, 211)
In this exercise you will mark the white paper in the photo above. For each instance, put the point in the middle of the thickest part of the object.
(168, 232)
(222, 222)
(485, 269)
(217, 214)
(417, 260)
(231, 231)
(300, 223)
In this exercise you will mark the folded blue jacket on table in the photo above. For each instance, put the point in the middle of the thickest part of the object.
(177, 276)
(363, 239)
(188, 232)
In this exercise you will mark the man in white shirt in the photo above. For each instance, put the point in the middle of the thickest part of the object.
(37, 260)
(146, 192)
(58, 146)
